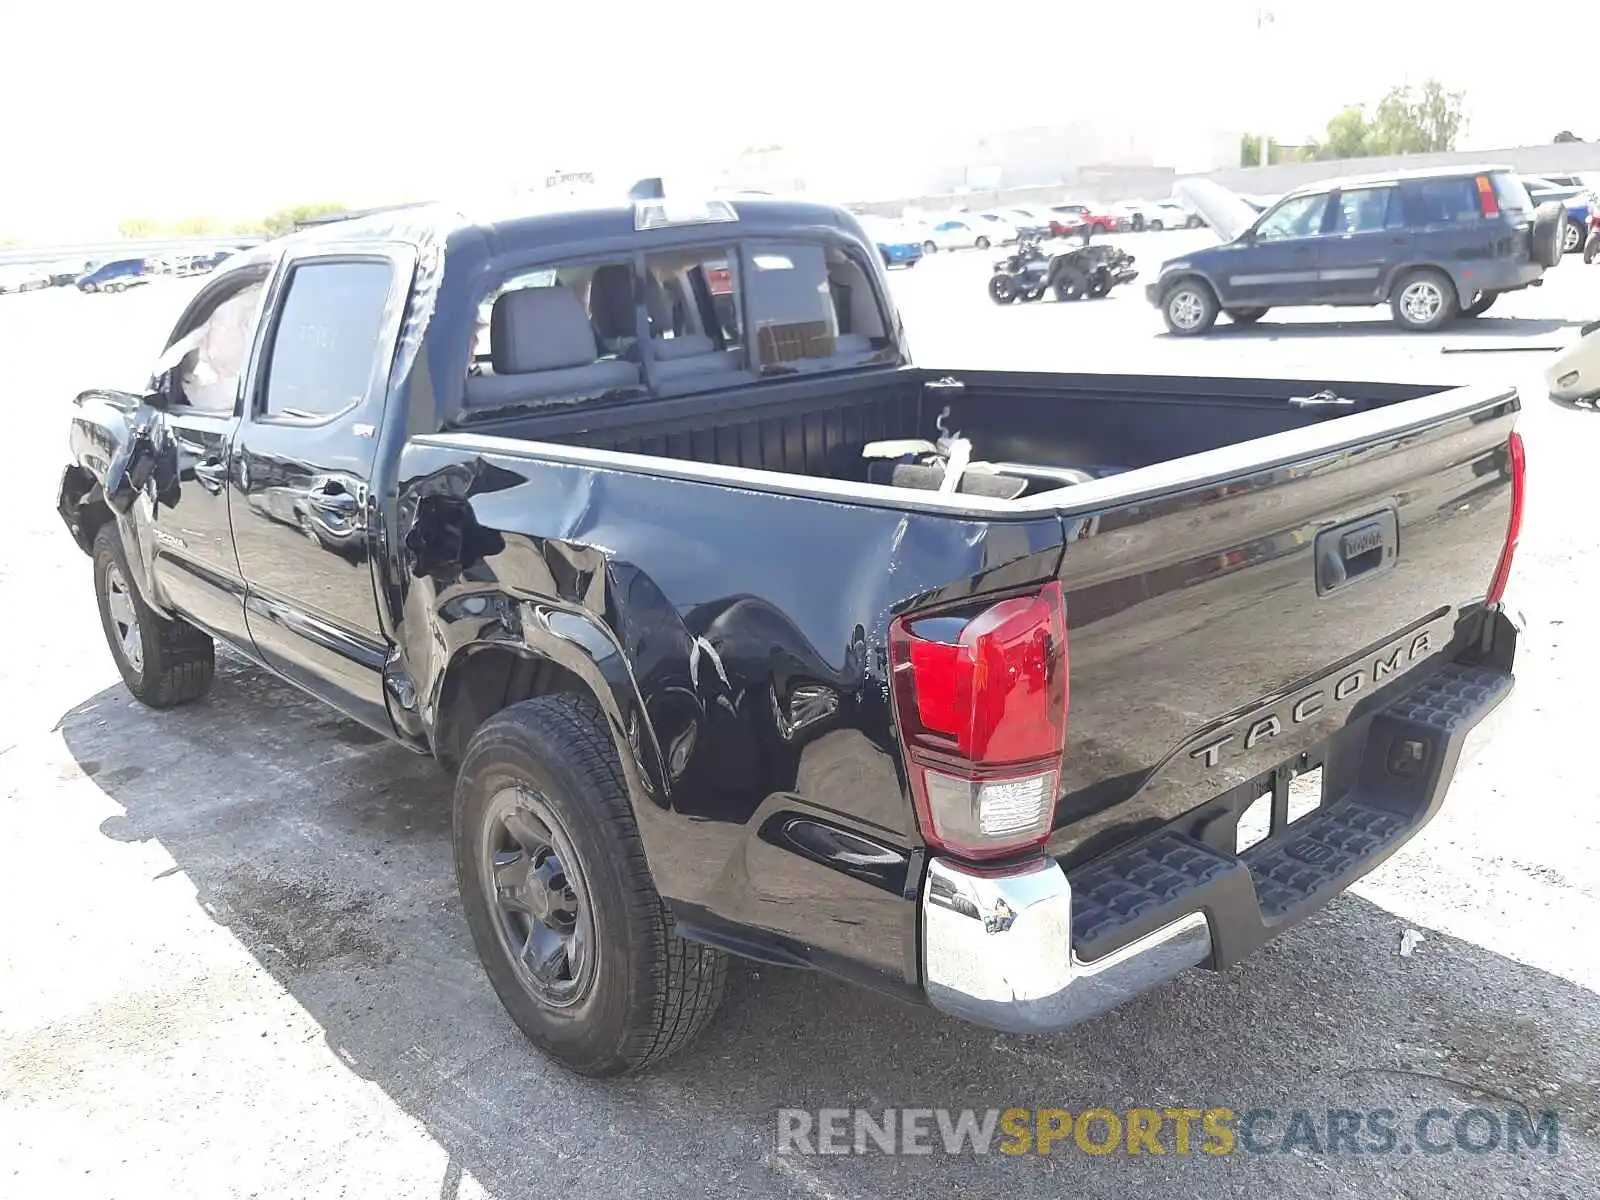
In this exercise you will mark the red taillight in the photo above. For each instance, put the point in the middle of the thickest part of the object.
(1487, 200)
(983, 720)
(1519, 471)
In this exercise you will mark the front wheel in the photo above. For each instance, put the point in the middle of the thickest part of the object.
(559, 899)
(1002, 289)
(164, 661)
(1571, 237)
(982, 243)
(1189, 308)
(930, 247)
(1591, 247)
(1423, 301)
(1156, 226)
(1245, 316)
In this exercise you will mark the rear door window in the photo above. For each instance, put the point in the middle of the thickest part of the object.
(1368, 210)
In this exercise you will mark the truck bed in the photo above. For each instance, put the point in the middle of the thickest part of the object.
(1098, 424)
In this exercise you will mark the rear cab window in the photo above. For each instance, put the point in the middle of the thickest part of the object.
(674, 321)
(812, 307)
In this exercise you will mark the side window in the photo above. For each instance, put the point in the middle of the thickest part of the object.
(208, 376)
(1441, 201)
(811, 305)
(1367, 210)
(325, 344)
(1298, 217)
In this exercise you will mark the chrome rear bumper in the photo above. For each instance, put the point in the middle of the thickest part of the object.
(997, 950)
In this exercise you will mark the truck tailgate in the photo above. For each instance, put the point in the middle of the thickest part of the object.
(1239, 607)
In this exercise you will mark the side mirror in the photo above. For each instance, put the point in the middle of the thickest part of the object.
(159, 394)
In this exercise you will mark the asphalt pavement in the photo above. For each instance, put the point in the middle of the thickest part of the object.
(232, 961)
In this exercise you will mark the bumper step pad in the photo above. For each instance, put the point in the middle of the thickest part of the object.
(1249, 898)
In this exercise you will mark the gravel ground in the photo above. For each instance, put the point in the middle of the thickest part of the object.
(232, 963)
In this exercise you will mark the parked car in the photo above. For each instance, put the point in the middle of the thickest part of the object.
(1028, 222)
(1573, 379)
(1071, 217)
(718, 670)
(962, 232)
(1001, 231)
(898, 246)
(1433, 244)
(115, 276)
(1574, 199)
(24, 277)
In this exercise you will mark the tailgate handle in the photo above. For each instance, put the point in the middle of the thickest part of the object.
(1356, 550)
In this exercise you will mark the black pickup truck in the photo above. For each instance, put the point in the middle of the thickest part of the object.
(742, 634)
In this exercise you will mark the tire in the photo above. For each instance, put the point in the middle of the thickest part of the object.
(1189, 307)
(1549, 221)
(1245, 316)
(636, 993)
(1571, 236)
(1138, 223)
(911, 262)
(930, 248)
(1423, 300)
(1101, 228)
(1002, 289)
(982, 243)
(1193, 222)
(1591, 247)
(166, 661)
(1156, 226)
(1481, 303)
(89, 287)
(1070, 284)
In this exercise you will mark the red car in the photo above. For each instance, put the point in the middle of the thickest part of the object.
(1071, 218)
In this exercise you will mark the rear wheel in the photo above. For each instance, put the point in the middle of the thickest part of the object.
(1571, 237)
(565, 917)
(1070, 284)
(163, 660)
(1481, 303)
(1193, 222)
(930, 248)
(982, 243)
(1591, 247)
(1189, 307)
(1156, 225)
(1245, 316)
(1002, 289)
(1423, 300)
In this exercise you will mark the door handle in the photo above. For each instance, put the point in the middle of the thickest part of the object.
(212, 474)
(333, 499)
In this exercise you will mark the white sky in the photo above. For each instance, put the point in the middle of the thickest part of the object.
(174, 107)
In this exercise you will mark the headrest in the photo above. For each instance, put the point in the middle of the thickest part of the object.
(539, 329)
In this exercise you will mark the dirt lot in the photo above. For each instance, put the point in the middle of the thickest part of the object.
(232, 963)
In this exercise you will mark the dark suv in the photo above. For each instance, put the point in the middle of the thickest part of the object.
(1433, 244)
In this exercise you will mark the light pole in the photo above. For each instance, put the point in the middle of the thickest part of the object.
(1264, 18)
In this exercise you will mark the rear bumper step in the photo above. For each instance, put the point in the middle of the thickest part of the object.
(1036, 949)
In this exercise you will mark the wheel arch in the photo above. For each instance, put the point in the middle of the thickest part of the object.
(557, 651)
(1400, 272)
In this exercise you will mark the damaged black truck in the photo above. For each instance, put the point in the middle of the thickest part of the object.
(743, 635)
